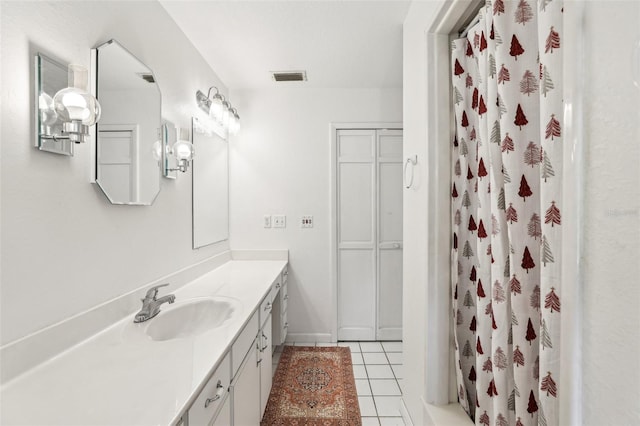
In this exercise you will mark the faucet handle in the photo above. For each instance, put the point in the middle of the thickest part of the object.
(153, 291)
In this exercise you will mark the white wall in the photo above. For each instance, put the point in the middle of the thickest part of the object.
(280, 164)
(611, 294)
(416, 206)
(65, 249)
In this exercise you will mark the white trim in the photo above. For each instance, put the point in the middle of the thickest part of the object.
(309, 338)
(573, 81)
(333, 262)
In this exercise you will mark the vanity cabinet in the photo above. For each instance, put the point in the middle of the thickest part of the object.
(280, 305)
(245, 390)
(238, 391)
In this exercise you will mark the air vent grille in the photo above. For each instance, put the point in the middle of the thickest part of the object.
(289, 75)
(147, 77)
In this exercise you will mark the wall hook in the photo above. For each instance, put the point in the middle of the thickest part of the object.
(412, 160)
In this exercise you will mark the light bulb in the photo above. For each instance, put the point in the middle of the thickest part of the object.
(216, 108)
(48, 115)
(73, 104)
(183, 150)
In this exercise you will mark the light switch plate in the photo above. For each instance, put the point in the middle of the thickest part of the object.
(267, 221)
(279, 221)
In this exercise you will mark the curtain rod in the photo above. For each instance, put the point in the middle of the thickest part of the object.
(465, 30)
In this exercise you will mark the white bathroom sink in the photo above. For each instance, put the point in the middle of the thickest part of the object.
(191, 317)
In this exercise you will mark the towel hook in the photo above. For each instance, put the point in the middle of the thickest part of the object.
(413, 160)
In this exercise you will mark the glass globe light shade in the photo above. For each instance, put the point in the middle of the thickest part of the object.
(234, 122)
(183, 150)
(72, 104)
(48, 115)
(216, 108)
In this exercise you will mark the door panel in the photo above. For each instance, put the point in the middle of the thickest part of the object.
(356, 199)
(390, 295)
(357, 295)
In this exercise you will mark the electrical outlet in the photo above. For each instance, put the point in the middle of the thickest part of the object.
(279, 221)
(306, 222)
(267, 221)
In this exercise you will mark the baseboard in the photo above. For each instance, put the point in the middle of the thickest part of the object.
(34, 349)
(308, 337)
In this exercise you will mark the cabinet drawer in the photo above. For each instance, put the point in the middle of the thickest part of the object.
(265, 308)
(243, 343)
(213, 396)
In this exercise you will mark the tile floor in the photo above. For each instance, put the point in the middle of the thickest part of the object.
(377, 368)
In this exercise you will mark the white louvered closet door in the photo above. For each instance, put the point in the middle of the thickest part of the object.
(369, 240)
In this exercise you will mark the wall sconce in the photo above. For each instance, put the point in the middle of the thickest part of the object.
(175, 156)
(73, 107)
(219, 110)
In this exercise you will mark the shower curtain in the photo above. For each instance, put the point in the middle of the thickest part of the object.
(507, 212)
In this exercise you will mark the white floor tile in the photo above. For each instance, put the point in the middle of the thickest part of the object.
(312, 344)
(356, 358)
(371, 347)
(391, 421)
(362, 387)
(397, 370)
(388, 406)
(370, 421)
(355, 347)
(367, 408)
(395, 357)
(325, 344)
(375, 358)
(392, 346)
(379, 372)
(385, 387)
(359, 372)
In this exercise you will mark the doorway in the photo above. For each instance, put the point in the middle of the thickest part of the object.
(367, 195)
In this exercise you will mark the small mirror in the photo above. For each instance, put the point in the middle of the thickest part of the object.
(51, 76)
(130, 129)
(210, 171)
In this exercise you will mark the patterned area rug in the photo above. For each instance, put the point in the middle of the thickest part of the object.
(313, 386)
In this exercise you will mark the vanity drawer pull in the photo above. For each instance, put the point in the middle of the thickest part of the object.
(268, 306)
(217, 396)
(277, 285)
(286, 297)
(286, 325)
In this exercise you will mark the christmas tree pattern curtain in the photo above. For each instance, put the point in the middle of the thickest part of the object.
(506, 213)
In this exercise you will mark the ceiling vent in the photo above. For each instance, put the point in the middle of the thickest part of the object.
(289, 75)
(147, 77)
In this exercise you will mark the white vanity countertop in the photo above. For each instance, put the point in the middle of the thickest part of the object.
(121, 377)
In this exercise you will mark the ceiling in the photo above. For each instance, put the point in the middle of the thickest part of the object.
(340, 43)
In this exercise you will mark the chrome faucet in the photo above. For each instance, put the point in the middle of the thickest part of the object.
(151, 305)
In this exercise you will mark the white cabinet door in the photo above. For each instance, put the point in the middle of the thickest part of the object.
(266, 367)
(369, 234)
(246, 391)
